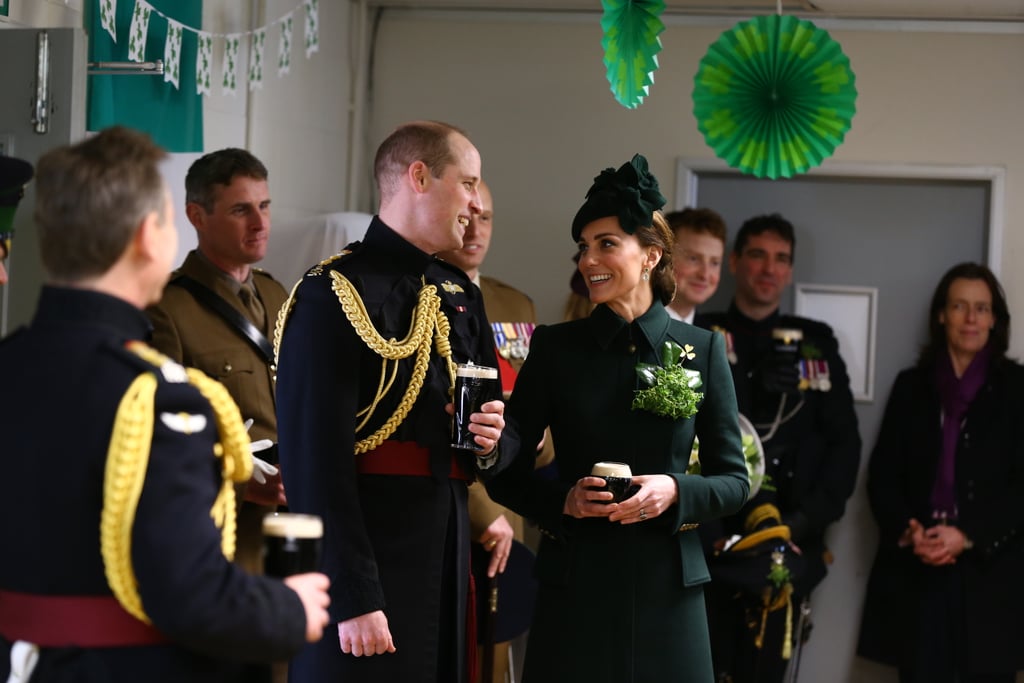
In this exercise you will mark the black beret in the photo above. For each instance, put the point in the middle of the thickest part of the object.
(630, 193)
(14, 173)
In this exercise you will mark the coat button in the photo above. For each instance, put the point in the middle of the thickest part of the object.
(631, 348)
(227, 367)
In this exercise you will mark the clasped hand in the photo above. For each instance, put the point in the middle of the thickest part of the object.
(935, 546)
(590, 498)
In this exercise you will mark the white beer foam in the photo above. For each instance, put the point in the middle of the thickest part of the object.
(611, 469)
(479, 371)
(293, 525)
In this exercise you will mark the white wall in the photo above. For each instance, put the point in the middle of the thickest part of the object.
(297, 124)
(533, 96)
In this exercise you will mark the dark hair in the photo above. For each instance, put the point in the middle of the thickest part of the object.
(92, 196)
(700, 221)
(426, 141)
(219, 168)
(663, 279)
(762, 224)
(999, 338)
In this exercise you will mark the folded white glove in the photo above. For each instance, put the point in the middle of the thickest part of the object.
(261, 469)
(24, 657)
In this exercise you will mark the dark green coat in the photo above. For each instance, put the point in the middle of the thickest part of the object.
(621, 604)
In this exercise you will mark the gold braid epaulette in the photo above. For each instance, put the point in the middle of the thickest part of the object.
(429, 324)
(286, 309)
(427, 321)
(128, 459)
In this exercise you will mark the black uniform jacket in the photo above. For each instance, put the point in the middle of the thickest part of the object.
(813, 455)
(989, 481)
(63, 378)
(391, 542)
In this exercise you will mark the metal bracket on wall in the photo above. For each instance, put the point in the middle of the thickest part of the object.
(41, 104)
(126, 68)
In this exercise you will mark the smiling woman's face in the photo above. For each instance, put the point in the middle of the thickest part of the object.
(612, 263)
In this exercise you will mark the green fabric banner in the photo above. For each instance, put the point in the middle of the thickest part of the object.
(173, 117)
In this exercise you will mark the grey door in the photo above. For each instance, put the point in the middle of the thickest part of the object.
(898, 236)
(66, 122)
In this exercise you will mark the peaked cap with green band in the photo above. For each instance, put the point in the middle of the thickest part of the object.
(14, 173)
(630, 193)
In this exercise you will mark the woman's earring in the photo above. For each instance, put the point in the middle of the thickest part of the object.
(646, 274)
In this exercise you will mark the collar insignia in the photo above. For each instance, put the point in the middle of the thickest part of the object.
(452, 288)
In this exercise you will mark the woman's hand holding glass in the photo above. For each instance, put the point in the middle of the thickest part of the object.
(654, 493)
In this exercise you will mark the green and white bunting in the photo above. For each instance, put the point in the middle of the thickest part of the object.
(284, 46)
(312, 26)
(138, 31)
(232, 42)
(204, 57)
(108, 15)
(256, 39)
(256, 44)
(172, 53)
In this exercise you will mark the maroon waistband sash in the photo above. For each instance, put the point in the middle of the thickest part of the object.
(72, 621)
(405, 458)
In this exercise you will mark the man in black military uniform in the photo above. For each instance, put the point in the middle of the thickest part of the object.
(14, 173)
(364, 378)
(792, 384)
(120, 462)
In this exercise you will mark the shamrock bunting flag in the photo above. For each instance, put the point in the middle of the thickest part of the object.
(312, 33)
(203, 58)
(284, 46)
(172, 53)
(256, 45)
(108, 17)
(138, 31)
(631, 45)
(232, 42)
(774, 96)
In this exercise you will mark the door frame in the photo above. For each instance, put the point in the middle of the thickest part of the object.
(688, 170)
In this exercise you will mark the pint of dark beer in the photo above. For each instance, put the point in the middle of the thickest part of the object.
(786, 341)
(291, 544)
(618, 479)
(474, 386)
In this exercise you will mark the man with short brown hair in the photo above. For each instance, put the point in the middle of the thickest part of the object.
(364, 380)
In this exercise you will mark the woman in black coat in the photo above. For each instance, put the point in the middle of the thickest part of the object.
(945, 599)
(621, 584)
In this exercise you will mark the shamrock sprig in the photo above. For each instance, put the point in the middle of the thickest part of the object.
(671, 389)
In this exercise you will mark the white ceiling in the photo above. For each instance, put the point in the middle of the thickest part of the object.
(989, 10)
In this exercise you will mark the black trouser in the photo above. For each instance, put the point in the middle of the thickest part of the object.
(735, 621)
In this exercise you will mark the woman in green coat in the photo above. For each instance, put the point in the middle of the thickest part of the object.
(621, 584)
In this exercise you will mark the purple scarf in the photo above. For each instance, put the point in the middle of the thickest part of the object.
(955, 395)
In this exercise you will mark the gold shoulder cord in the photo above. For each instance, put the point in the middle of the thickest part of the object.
(128, 459)
(427, 320)
(428, 324)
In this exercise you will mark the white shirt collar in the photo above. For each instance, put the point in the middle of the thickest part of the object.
(675, 316)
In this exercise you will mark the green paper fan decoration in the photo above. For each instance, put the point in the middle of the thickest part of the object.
(774, 96)
(631, 46)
